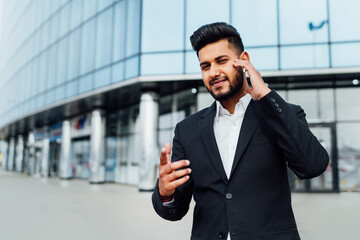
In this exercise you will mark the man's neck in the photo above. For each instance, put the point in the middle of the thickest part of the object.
(230, 103)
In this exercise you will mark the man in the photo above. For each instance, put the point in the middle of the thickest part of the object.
(232, 157)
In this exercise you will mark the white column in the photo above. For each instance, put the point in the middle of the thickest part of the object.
(45, 157)
(149, 113)
(19, 155)
(10, 161)
(31, 161)
(97, 148)
(4, 152)
(64, 165)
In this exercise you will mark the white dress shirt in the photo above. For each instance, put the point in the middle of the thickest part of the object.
(227, 129)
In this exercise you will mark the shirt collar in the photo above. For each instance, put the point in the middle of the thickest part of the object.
(241, 105)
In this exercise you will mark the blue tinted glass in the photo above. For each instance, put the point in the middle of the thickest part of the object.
(344, 20)
(345, 55)
(118, 72)
(87, 47)
(264, 58)
(74, 54)
(42, 61)
(192, 63)
(64, 20)
(54, 28)
(166, 63)
(102, 77)
(256, 21)
(85, 83)
(202, 12)
(316, 56)
(168, 17)
(45, 36)
(133, 27)
(62, 61)
(89, 8)
(103, 38)
(52, 67)
(132, 67)
(76, 10)
(60, 93)
(119, 31)
(295, 20)
(104, 3)
(71, 88)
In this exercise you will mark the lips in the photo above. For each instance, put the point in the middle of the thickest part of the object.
(218, 82)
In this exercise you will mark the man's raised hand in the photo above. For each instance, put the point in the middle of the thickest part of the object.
(170, 177)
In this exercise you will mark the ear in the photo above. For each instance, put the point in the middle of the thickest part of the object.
(245, 56)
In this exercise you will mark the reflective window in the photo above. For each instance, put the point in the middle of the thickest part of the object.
(76, 10)
(87, 47)
(264, 58)
(191, 63)
(132, 67)
(60, 93)
(344, 19)
(104, 3)
(119, 31)
(297, 57)
(85, 83)
(42, 63)
(166, 63)
(296, 18)
(71, 88)
(168, 17)
(62, 61)
(345, 55)
(103, 38)
(54, 28)
(74, 54)
(102, 77)
(64, 20)
(256, 21)
(89, 8)
(346, 103)
(118, 72)
(202, 12)
(52, 67)
(133, 27)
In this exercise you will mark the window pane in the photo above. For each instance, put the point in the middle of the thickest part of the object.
(132, 67)
(52, 67)
(64, 20)
(62, 61)
(163, 14)
(344, 20)
(256, 21)
(192, 63)
(89, 8)
(85, 83)
(76, 10)
(345, 99)
(103, 38)
(87, 47)
(316, 56)
(168, 63)
(119, 31)
(307, 99)
(345, 55)
(295, 17)
(211, 11)
(133, 27)
(71, 88)
(264, 58)
(104, 3)
(118, 72)
(102, 77)
(74, 54)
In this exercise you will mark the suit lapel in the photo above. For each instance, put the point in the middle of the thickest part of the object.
(251, 121)
(206, 127)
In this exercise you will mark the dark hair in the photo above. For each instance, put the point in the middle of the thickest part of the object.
(214, 32)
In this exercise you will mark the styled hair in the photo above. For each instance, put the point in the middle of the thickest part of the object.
(214, 32)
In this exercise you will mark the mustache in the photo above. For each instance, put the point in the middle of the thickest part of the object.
(218, 79)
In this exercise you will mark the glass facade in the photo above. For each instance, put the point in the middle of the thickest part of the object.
(73, 53)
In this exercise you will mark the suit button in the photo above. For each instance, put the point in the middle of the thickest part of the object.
(276, 105)
(279, 110)
(222, 235)
(228, 196)
(272, 99)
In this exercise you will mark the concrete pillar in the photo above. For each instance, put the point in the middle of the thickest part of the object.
(45, 157)
(19, 155)
(64, 165)
(97, 148)
(149, 114)
(4, 151)
(10, 161)
(31, 161)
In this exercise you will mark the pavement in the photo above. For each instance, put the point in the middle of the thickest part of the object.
(49, 208)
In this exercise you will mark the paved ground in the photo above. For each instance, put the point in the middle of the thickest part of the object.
(35, 208)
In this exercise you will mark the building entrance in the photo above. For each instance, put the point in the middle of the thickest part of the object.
(329, 180)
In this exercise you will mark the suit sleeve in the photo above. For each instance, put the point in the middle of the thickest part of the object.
(183, 194)
(305, 155)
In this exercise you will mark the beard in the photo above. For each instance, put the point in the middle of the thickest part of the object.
(233, 89)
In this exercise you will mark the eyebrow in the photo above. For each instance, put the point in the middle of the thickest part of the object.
(217, 58)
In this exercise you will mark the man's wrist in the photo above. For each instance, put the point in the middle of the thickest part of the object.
(166, 198)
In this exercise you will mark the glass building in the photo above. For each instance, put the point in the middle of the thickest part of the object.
(93, 88)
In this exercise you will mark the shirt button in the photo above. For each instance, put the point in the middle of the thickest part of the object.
(222, 235)
(228, 196)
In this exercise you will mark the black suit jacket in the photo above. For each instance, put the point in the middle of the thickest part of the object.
(255, 202)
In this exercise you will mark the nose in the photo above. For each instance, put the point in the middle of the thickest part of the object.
(214, 72)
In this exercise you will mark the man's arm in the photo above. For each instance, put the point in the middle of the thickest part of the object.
(173, 183)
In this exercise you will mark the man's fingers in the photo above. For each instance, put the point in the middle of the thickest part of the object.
(165, 154)
(169, 168)
(178, 174)
(178, 182)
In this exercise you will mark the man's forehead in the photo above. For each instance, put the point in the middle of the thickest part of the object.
(216, 50)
